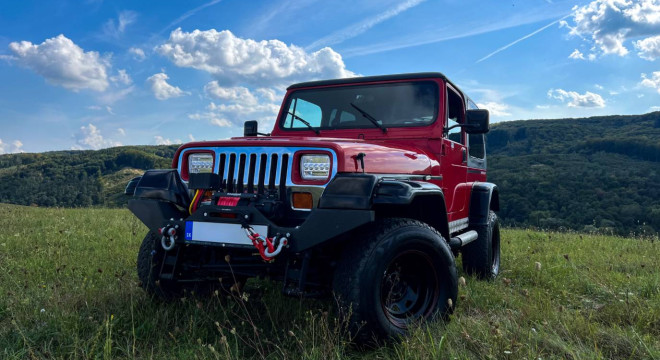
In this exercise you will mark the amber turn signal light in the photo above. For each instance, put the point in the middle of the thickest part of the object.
(302, 200)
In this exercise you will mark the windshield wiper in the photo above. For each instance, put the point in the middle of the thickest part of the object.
(316, 131)
(370, 118)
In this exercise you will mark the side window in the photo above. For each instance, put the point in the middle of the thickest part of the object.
(454, 115)
(306, 110)
(476, 142)
(477, 146)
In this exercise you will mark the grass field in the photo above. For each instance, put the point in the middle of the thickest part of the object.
(68, 289)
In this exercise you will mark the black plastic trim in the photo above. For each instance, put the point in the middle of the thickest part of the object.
(153, 213)
(164, 185)
(364, 79)
(484, 197)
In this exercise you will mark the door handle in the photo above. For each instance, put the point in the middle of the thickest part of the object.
(464, 152)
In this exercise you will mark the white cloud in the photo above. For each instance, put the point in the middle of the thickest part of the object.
(652, 82)
(122, 77)
(63, 63)
(138, 54)
(15, 147)
(588, 99)
(608, 24)
(161, 89)
(114, 96)
(237, 105)
(115, 28)
(362, 26)
(159, 140)
(577, 55)
(191, 137)
(648, 48)
(89, 137)
(109, 110)
(495, 108)
(94, 107)
(234, 94)
(121, 131)
(266, 63)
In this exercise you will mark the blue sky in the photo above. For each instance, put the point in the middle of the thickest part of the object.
(93, 74)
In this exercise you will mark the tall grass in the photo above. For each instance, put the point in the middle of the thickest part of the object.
(68, 289)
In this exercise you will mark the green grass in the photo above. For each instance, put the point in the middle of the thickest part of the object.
(68, 289)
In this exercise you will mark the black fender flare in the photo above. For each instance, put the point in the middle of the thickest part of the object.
(159, 195)
(483, 198)
(388, 196)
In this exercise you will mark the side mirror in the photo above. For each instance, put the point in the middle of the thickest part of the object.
(477, 121)
(250, 128)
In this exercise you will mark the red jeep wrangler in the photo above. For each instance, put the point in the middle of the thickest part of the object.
(366, 187)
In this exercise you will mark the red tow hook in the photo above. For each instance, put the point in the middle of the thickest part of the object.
(268, 247)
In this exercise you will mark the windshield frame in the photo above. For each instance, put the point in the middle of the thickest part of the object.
(286, 104)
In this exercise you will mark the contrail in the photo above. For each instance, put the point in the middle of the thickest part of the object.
(354, 30)
(188, 14)
(521, 39)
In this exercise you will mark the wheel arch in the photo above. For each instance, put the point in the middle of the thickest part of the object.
(388, 197)
(484, 197)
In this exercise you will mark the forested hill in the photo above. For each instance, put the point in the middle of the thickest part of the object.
(77, 178)
(595, 174)
(599, 174)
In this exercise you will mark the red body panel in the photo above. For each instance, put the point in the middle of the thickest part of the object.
(405, 150)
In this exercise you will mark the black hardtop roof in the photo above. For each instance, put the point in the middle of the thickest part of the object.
(356, 80)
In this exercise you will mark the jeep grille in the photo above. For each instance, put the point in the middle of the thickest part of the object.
(256, 169)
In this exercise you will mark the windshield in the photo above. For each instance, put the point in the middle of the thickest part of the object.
(362, 106)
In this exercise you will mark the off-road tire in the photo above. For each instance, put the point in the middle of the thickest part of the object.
(413, 250)
(149, 261)
(482, 256)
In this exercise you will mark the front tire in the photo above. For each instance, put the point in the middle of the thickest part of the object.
(149, 261)
(400, 272)
(482, 256)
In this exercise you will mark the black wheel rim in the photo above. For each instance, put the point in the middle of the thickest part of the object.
(409, 288)
(495, 251)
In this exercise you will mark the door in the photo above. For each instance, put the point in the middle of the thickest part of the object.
(455, 157)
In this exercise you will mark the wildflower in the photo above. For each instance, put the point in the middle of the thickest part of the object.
(43, 311)
(450, 303)
(291, 333)
(538, 266)
(461, 281)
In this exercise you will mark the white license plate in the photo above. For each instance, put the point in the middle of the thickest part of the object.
(221, 233)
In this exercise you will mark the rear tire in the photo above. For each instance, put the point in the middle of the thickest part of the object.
(397, 273)
(482, 256)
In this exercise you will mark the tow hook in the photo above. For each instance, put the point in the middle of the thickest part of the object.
(167, 241)
(268, 247)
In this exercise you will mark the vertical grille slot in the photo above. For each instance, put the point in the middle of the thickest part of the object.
(262, 173)
(221, 170)
(240, 179)
(250, 182)
(283, 173)
(230, 173)
(273, 172)
(243, 170)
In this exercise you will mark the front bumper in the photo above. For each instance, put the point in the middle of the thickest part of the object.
(320, 226)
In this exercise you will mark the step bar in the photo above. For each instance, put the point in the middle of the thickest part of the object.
(463, 239)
